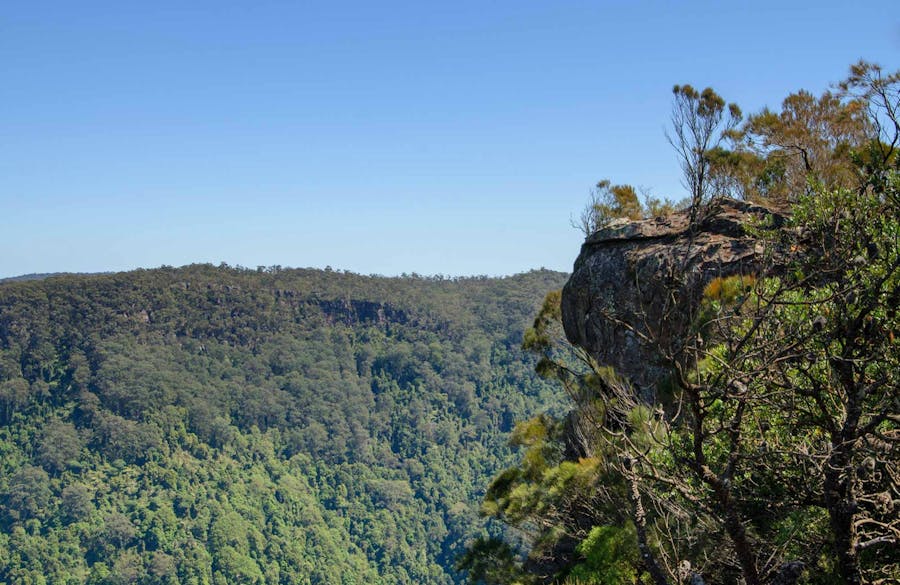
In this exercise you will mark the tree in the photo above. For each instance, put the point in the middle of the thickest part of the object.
(60, 446)
(844, 368)
(28, 495)
(608, 202)
(879, 94)
(118, 531)
(14, 395)
(490, 561)
(161, 568)
(76, 502)
(701, 121)
(810, 138)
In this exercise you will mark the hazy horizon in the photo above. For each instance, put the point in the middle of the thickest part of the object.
(326, 268)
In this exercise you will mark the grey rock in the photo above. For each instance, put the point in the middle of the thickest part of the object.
(637, 285)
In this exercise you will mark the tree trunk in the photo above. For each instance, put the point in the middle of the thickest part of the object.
(840, 499)
(841, 512)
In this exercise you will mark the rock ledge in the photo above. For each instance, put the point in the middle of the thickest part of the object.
(650, 274)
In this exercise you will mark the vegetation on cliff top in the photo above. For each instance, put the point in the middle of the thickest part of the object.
(769, 453)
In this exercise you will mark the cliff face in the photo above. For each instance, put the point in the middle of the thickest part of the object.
(636, 284)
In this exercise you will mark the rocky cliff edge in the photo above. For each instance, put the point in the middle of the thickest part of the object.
(637, 284)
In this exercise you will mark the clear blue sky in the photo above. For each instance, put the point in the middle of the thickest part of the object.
(380, 137)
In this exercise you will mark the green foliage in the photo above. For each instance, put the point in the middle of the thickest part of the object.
(809, 138)
(610, 556)
(210, 425)
(616, 201)
(774, 157)
(28, 494)
(491, 561)
(561, 486)
(609, 202)
(60, 446)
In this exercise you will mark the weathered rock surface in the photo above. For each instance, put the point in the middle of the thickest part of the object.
(637, 279)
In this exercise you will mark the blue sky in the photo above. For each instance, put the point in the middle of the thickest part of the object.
(378, 137)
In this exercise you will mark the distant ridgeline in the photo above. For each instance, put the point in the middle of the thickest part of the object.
(218, 425)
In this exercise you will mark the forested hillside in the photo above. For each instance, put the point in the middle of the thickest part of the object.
(223, 425)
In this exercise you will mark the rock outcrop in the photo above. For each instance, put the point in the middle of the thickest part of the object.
(636, 281)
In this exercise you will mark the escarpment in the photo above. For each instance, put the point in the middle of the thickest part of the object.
(636, 285)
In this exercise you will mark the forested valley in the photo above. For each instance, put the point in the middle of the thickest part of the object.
(213, 425)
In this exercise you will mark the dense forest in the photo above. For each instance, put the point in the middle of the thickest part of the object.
(751, 435)
(213, 425)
